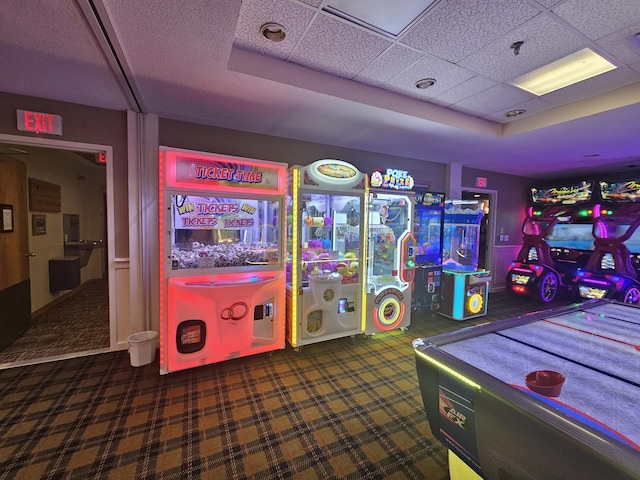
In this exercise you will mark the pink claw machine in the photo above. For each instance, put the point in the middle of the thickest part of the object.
(325, 268)
(222, 270)
(391, 261)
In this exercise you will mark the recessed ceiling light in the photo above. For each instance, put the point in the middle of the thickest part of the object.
(589, 155)
(514, 113)
(273, 32)
(425, 83)
(574, 68)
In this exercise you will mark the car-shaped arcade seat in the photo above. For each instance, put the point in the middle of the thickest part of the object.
(610, 271)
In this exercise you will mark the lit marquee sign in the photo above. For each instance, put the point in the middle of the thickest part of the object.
(38, 122)
(392, 179)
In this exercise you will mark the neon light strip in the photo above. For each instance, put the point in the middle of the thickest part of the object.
(449, 370)
(365, 245)
(595, 282)
(161, 244)
(295, 261)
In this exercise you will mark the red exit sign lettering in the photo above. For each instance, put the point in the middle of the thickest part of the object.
(39, 122)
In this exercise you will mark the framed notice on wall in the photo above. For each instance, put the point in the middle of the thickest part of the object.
(7, 218)
(39, 224)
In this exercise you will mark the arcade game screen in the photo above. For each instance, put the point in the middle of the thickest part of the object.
(575, 236)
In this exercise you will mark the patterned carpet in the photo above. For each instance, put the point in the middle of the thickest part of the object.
(341, 409)
(77, 324)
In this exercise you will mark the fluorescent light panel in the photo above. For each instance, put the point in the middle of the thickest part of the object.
(571, 69)
(390, 17)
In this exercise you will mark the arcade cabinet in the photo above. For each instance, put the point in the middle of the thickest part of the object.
(613, 269)
(465, 288)
(556, 241)
(428, 229)
(327, 242)
(391, 260)
(222, 270)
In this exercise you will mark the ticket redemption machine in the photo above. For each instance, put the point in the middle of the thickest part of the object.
(428, 228)
(325, 266)
(222, 289)
(465, 288)
(391, 259)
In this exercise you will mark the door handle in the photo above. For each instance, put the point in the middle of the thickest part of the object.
(30, 254)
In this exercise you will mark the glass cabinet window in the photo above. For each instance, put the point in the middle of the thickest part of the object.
(330, 236)
(216, 232)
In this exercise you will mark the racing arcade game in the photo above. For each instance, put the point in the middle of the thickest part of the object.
(613, 268)
(556, 242)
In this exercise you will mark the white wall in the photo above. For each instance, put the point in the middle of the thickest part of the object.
(82, 192)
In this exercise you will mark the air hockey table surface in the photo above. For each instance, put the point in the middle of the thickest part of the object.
(473, 387)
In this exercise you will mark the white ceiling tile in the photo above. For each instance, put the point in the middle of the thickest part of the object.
(549, 3)
(496, 99)
(447, 75)
(390, 63)
(594, 86)
(597, 18)
(545, 40)
(623, 44)
(255, 13)
(337, 47)
(636, 66)
(315, 3)
(471, 87)
(475, 24)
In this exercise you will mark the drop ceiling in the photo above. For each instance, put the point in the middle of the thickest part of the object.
(339, 82)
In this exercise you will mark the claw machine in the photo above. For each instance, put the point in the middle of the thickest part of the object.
(465, 287)
(222, 266)
(429, 227)
(325, 265)
(391, 260)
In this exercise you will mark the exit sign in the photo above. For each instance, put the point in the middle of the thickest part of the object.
(39, 122)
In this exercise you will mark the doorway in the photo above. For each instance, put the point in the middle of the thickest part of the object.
(68, 277)
(487, 200)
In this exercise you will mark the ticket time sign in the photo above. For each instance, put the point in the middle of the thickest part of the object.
(222, 173)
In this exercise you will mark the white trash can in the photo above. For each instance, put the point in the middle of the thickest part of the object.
(142, 348)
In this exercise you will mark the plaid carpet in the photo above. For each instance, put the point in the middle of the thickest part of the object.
(341, 409)
(77, 324)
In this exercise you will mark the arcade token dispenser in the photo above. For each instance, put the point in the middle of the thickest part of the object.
(222, 270)
(325, 265)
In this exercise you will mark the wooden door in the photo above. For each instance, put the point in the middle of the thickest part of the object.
(15, 294)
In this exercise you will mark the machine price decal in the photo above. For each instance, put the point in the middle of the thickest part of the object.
(388, 291)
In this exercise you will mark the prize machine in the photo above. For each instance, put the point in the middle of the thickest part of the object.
(613, 269)
(428, 229)
(222, 269)
(325, 266)
(556, 241)
(391, 260)
(465, 288)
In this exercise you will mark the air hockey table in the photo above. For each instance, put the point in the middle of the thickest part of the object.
(477, 402)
